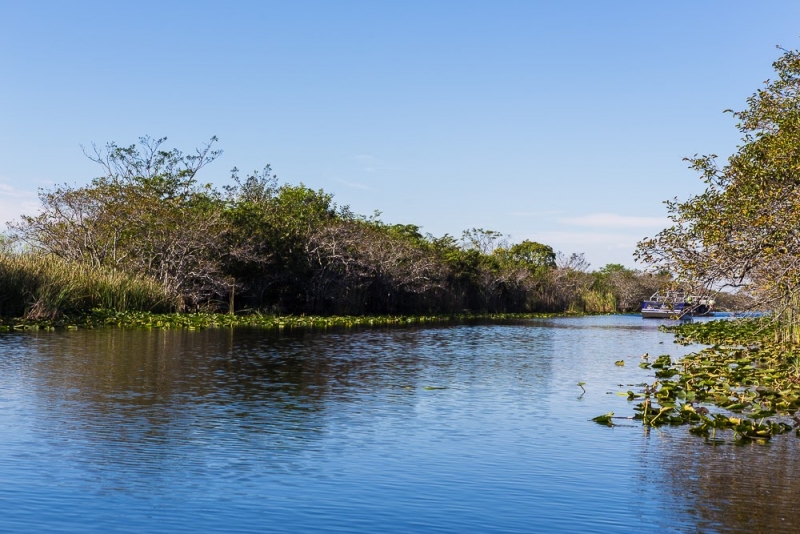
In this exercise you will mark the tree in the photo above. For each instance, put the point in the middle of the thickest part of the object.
(743, 231)
(484, 241)
(364, 266)
(629, 287)
(610, 269)
(271, 226)
(146, 214)
(529, 254)
(281, 247)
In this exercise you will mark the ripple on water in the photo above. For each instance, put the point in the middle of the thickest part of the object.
(461, 428)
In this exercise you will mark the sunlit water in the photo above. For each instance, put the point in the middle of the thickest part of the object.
(472, 428)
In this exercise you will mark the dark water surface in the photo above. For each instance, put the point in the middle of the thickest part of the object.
(458, 429)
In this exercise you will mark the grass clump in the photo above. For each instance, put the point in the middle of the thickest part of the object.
(44, 287)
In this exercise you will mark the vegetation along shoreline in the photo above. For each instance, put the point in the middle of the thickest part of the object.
(744, 385)
(147, 235)
(202, 320)
(740, 233)
(147, 244)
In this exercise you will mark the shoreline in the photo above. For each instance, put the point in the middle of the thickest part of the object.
(202, 320)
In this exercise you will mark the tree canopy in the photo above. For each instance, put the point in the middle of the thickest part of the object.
(743, 231)
(257, 244)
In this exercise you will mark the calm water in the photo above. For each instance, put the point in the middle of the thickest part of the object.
(457, 429)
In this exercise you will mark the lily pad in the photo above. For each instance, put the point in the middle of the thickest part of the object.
(604, 419)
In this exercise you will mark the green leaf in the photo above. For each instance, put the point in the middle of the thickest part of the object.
(604, 419)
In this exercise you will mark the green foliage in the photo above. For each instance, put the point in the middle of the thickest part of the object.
(597, 301)
(146, 215)
(262, 245)
(605, 420)
(742, 230)
(483, 241)
(410, 232)
(744, 331)
(99, 318)
(535, 255)
(614, 268)
(745, 374)
(528, 254)
(47, 287)
(270, 228)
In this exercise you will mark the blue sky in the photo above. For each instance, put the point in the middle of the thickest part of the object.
(562, 122)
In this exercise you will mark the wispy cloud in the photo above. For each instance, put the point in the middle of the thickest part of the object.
(355, 185)
(614, 220)
(605, 239)
(529, 214)
(600, 247)
(15, 202)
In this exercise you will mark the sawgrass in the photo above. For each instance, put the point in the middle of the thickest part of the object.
(38, 286)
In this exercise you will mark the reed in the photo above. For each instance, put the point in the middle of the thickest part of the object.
(594, 301)
(39, 286)
(787, 321)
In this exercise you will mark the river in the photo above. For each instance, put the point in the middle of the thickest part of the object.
(464, 428)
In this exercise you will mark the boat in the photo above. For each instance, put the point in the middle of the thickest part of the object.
(677, 305)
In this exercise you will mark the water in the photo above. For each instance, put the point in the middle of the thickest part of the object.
(454, 429)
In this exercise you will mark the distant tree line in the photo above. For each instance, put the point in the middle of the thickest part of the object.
(259, 244)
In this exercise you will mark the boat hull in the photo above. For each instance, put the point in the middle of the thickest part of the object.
(660, 310)
(703, 311)
(659, 314)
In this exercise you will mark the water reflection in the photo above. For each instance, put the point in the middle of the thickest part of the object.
(733, 488)
(463, 428)
(153, 399)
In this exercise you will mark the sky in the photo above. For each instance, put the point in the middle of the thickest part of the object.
(560, 122)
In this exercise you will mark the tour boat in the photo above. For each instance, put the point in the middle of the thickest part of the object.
(676, 305)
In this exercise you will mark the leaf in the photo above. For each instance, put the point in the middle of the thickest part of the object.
(604, 419)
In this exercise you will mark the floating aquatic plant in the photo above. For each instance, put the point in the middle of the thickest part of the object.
(745, 375)
(196, 321)
(605, 419)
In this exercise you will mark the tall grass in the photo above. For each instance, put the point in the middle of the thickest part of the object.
(39, 286)
(787, 321)
(595, 301)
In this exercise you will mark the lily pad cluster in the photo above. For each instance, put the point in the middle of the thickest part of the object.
(744, 331)
(754, 383)
(197, 321)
